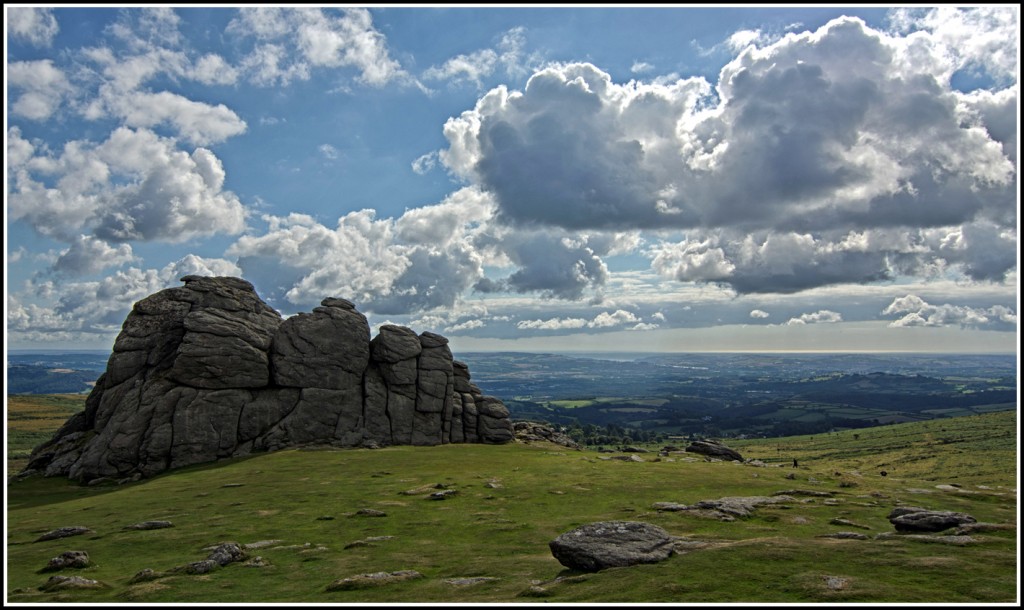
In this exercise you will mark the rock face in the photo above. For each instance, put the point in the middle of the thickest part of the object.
(208, 371)
(612, 544)
(915, 519)
(714, 449)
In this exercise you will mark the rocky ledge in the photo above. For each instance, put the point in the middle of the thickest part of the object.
(208, 371)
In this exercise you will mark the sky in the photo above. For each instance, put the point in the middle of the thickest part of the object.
(660, 178)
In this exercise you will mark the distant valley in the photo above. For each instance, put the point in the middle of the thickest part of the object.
(604, 397)
(648, 396)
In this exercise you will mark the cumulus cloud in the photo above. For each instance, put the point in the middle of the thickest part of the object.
(814, 161)
(823, 316)
(476, 66)
(605, 319)
(759, 314)
(328, 151)
(550, 263)
(423, 260)
(133, 186)
(38, 26)
(290, 42)
(914, 311)
(90, 311)
(43, 86)
(464, 326)
(551, 324)
(425, 163)
(89, 255)
(212, 69)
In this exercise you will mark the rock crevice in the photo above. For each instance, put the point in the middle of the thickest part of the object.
(208, 371)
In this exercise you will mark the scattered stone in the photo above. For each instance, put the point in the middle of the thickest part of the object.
(375, 579)
(325, 518)
(729, 508)
(68, 559)
(149, 525)
(64, 532)
(844, 536)
(714, 449)
(953, 540)
(146, 575)
(422, 489)
(60, 583)
(530, 432)
(608, 544)
(632, 449)
(916, 519)
(233, 485)
(260, 544)
(836, 583)
(443, 495)
(804, 492)
(493, 485)
(981, 527)
(669, 506)
(370, 512)
(627, 458)
(848, 523)
(226, 552)
(536, 591)
(465, 582)
(256, 562)
(201, 567)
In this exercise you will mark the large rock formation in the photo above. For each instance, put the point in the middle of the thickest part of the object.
(209, 371)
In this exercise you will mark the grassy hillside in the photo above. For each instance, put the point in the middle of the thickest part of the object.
(32, 419)
(512, 500)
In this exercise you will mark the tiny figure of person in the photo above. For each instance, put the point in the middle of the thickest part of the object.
(794, 462)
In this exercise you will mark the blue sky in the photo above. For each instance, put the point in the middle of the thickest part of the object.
(591, 178)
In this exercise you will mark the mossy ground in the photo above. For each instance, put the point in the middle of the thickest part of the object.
(514, 499)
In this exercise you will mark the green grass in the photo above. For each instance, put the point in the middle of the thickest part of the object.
(544, 490)
(32, 419)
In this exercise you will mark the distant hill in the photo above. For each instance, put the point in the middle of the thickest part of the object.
(35, 379)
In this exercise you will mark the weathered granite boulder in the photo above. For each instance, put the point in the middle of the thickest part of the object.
(714, 449)
(610, 544)
(915, 519)
(68, 559)
(208, 371)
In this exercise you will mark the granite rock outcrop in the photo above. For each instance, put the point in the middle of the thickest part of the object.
(208, 371)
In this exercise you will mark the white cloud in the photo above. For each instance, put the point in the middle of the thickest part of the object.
(293, 41)
(464, 326)
(759, 314)
(916, 312)
(89, 255)
(985, 38)
(328, 151)
(423, 260)
(551, 324)
(618, 318)
(605, 319)
(36, 25)
(133, 186)
(822, 147)
(212, 69)
(44, 88)
(823, 316)
(640, 67)
(425, 163)
(645, 326)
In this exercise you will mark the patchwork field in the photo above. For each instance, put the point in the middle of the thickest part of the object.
(316, 516)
